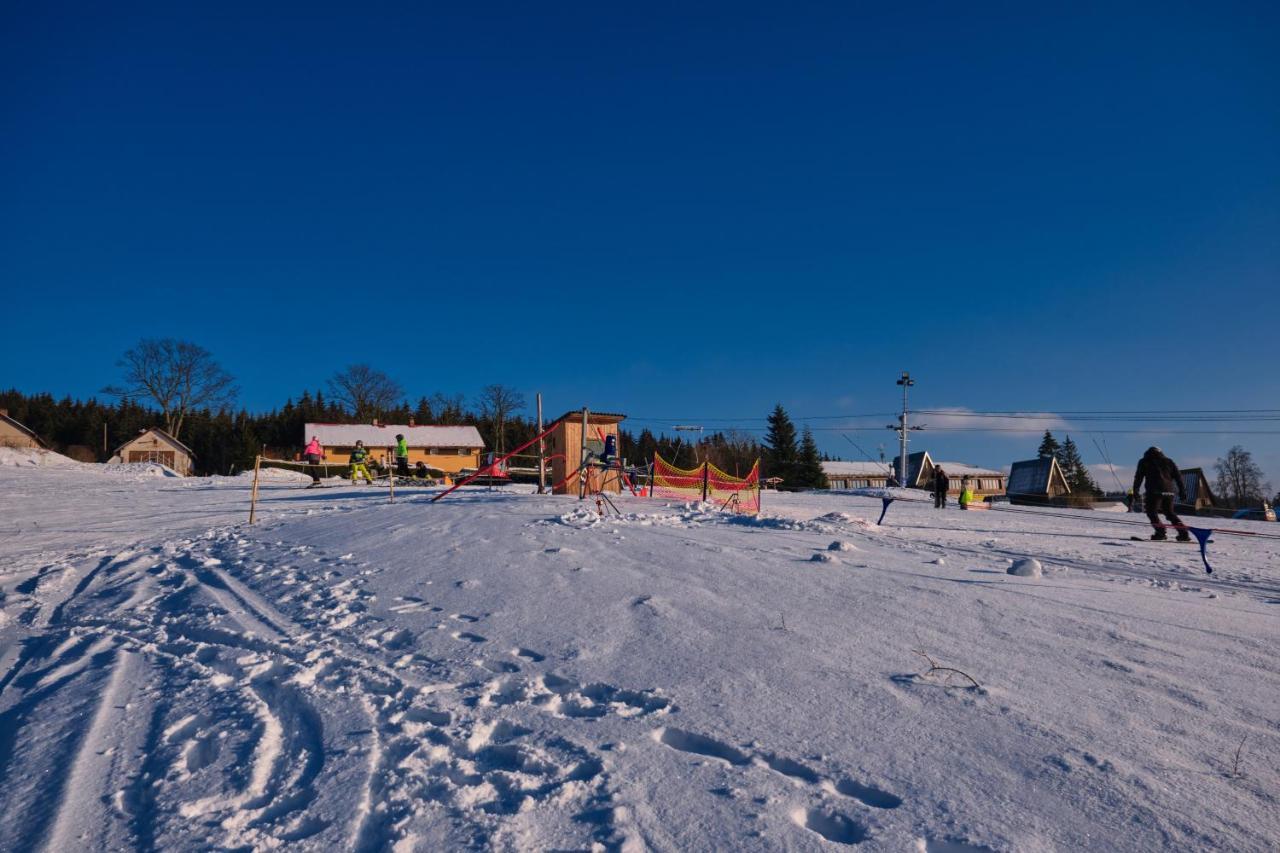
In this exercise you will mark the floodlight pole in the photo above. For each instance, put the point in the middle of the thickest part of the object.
(906, 382)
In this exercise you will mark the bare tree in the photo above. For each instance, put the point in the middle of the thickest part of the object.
(177, 376)
(366, 393)
(496, 403)
(1240, 478)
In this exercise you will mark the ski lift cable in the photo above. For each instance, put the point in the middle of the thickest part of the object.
(868, 455)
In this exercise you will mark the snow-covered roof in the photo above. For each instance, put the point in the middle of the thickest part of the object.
(855, 469)
(384, 435)
(960, 469)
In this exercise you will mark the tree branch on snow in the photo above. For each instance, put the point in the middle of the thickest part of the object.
(949, 671)
(1235, 765)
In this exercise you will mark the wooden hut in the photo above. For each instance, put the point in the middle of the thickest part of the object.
(1035, 481)
(14, 434)
(156, 445)
(565, 448)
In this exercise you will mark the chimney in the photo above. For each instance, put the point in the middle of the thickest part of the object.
(411, 423)
(4, 413)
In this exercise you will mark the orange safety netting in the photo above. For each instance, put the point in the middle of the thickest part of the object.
(707, 482)
(740, 494)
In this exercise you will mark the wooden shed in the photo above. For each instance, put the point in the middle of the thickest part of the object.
(156, 445)
(14, 434)
(565, 448)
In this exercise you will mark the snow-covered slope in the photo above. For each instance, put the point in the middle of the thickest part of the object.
(23, 457)
(509, 671)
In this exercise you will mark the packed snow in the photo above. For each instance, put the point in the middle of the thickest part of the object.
(502, 670)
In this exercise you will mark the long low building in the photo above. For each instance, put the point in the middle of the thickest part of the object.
(447, 448)
(856, 475)
(920, 467)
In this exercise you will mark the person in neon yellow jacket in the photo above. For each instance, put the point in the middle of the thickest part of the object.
(358, 466)
(402, 456)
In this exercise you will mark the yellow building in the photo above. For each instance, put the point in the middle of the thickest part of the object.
(448, 448)
(14, 434)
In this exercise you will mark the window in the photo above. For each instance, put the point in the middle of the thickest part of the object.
(164, 457)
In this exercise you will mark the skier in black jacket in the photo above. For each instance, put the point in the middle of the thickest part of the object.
(1163, 479)
(941, 483)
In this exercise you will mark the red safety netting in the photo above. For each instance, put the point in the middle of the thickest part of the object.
(709, 483)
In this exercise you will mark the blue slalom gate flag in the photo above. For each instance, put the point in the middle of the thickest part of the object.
(1202, 536)
(886, 502)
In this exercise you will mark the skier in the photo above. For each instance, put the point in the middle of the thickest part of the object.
(402, 456)
(314, 454)
(941, 483)
(966, 491)
(1162, 478)
(420, 471)
(891, 482)
(358, 467)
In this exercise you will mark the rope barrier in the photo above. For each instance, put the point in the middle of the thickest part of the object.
(1201, 534)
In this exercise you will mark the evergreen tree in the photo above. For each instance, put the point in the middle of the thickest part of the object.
(809, 472)
(1049, 447)
(781, 452)
(1074, 469)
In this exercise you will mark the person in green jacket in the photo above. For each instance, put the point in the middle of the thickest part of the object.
(358, 466)
(402, 456)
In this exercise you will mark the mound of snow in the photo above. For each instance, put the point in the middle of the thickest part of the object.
(1027, 567)
(22, 457)
(139, 470)
(278, 475)
(841, 546)
(822, 557)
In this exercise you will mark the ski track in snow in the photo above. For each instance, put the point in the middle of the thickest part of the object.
(422, 734)
(233, 689)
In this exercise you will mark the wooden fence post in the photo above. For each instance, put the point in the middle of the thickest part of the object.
(542, 452)
(253, 494)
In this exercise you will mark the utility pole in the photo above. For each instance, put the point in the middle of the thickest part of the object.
(901, 428)
(690, 428)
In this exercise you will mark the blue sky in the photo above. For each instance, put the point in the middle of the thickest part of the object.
(671, 212)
